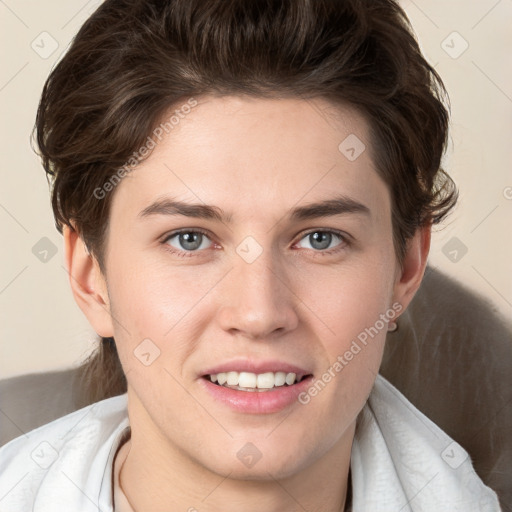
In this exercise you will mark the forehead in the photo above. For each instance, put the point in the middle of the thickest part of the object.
(255, 156)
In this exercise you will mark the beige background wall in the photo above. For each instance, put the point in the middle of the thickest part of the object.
(468, 41)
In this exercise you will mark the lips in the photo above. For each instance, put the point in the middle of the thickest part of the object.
(259, 401)
(256, 400)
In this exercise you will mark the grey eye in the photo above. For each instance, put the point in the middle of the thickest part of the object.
(321, 240)
(189, 241)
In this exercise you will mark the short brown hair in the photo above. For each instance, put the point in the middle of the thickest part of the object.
(133, 60)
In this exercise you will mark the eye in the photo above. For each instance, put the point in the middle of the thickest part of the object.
(321, 240)
(188, 241)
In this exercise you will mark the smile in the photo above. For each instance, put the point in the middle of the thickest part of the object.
(247, 381)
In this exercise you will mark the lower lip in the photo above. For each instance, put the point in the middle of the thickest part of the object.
(257, 402)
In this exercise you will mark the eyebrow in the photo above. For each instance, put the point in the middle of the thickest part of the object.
(337, 206)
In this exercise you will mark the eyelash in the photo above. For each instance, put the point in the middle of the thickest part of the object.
(182, 254)
(345, 242)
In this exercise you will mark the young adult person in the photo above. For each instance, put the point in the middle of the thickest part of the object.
(246, 192)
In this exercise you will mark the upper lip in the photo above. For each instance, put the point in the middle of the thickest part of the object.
(252, 366)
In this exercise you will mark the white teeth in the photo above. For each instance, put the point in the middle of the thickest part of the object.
(265, 380)
(279, 379)
(250, 380)
(290, 378)
(233, 378)
(247, 380)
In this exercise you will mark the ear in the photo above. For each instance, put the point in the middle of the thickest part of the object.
(409, 277)
(87, 283)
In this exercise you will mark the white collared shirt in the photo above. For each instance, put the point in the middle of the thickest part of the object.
(401, 462)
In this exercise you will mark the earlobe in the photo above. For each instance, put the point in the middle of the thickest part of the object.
(87, 283)
(413, 268)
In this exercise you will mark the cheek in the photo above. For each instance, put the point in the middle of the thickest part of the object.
(348, 299)
(143, 303)
(152, 307)
(151, 300)
(352, 309)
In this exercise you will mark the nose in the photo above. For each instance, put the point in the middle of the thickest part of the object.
(257, 300)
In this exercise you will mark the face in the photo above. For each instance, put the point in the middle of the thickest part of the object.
(249, 241)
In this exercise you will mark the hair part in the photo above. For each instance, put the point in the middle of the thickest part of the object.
(133, 60)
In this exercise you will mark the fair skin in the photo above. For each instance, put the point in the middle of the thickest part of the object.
(257, 160)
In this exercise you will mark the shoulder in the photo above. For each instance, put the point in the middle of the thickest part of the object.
(63, 462)
(399, 450)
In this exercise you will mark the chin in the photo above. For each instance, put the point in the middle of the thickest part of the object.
(261, 472)
(250, 464)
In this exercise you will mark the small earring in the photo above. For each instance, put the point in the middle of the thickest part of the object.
(392, 327)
